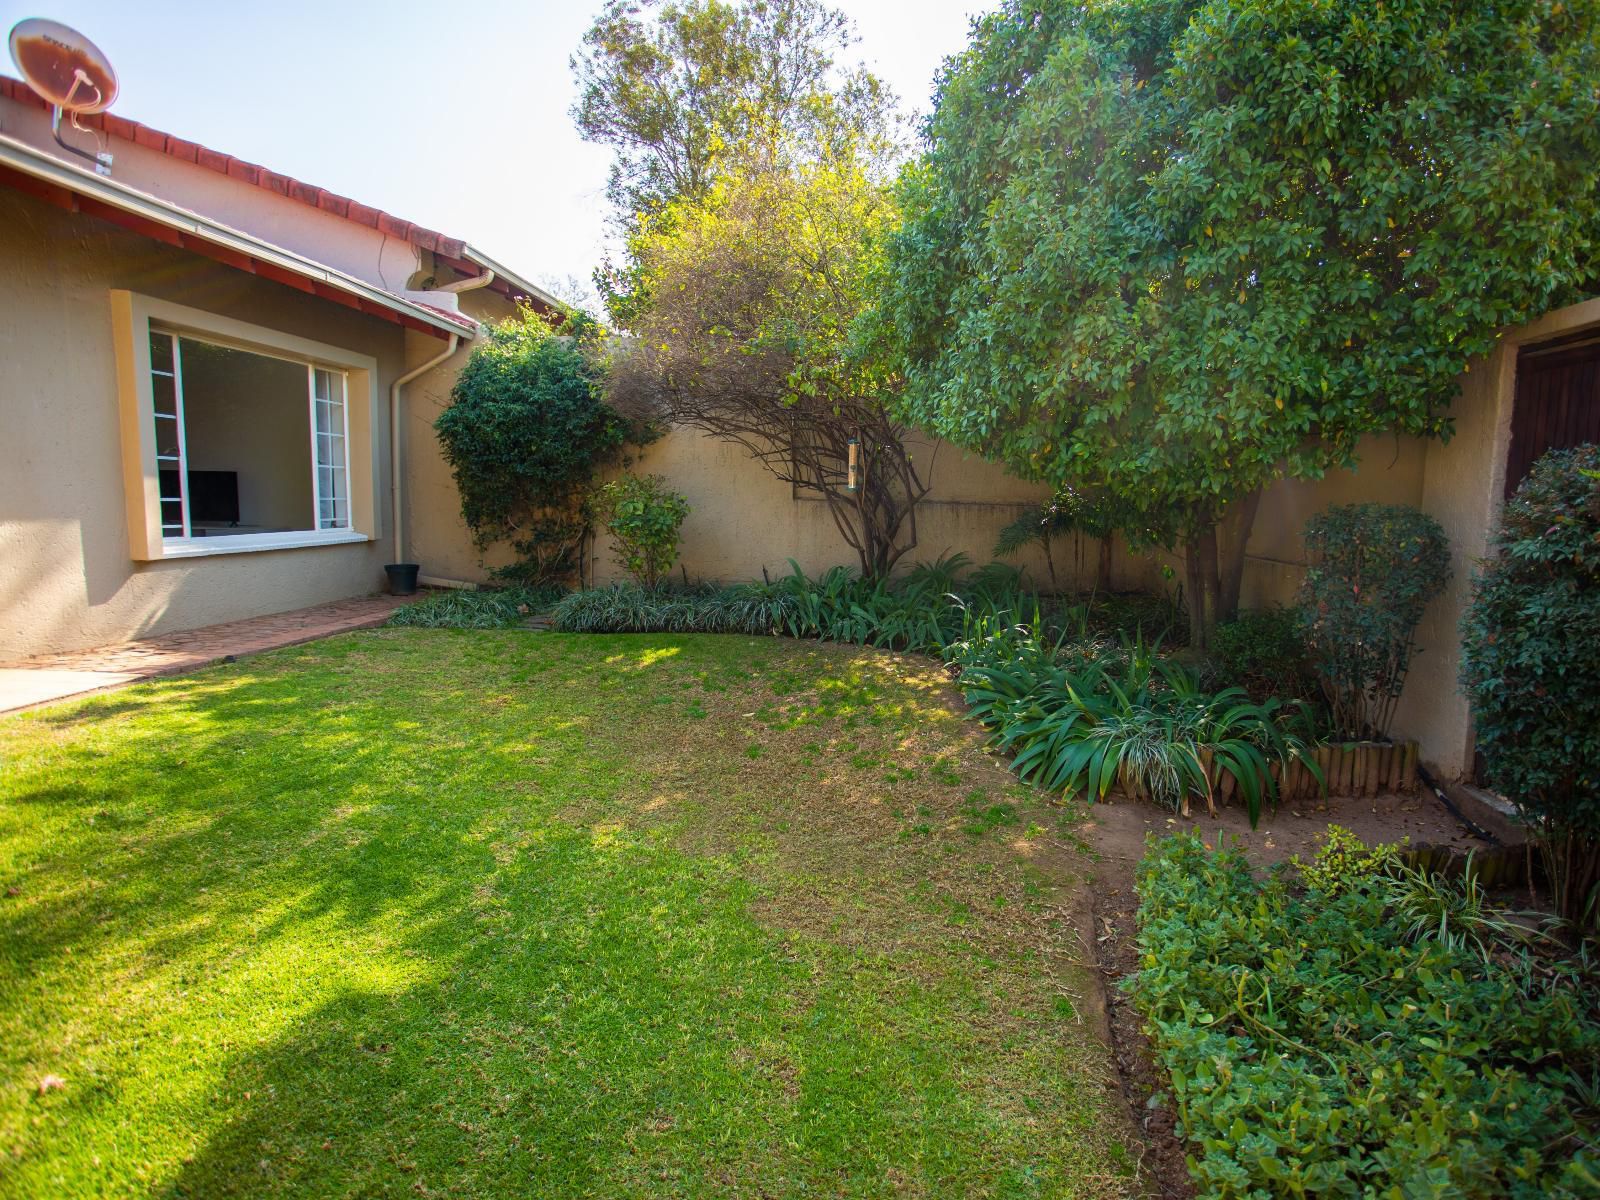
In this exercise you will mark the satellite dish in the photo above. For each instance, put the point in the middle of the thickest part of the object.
(63, 66)
(72, 75)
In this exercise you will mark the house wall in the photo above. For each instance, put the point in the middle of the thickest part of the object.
(323, 236)
(66, 576)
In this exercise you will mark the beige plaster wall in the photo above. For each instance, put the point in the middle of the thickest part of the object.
(743, 520)
(436, 537)
(1464, 487)
(351, 247)
(66, 576)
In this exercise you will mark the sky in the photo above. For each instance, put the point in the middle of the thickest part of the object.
(451, 115)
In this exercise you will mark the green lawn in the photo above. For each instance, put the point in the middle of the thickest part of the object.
(508, 914)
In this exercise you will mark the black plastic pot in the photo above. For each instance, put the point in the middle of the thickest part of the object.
(402, 578)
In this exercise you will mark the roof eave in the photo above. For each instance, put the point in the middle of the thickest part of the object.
(232, 246)
(473, 255)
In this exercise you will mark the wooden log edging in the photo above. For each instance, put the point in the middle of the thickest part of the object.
(1355, 770)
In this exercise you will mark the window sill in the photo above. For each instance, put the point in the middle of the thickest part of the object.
(248, 543)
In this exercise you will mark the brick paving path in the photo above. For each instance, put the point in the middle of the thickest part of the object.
(52, 677)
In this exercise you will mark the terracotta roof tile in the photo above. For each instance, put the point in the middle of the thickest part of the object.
(236, 168)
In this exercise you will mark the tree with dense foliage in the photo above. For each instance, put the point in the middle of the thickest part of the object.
(753, 290)
(525, 433)
(1531, 665)
(672, 86)
(1175, 250)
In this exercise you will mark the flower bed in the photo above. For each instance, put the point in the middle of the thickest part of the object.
(1363, 1032)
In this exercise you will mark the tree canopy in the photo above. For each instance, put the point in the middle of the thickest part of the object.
(1172, 251)
(674, 86)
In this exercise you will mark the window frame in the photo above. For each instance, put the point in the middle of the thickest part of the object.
(134, 318)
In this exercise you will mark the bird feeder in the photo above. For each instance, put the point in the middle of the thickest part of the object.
(853, 476)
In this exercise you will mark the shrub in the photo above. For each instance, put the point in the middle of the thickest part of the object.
(1372, 570)
(752, 608)
(1344, 861)
(1316, 1049)
(1134, 719)
(488, 608)
(524, 434)
(1153, 617)
(643, 516)
(1531, 666)
(1264, 652)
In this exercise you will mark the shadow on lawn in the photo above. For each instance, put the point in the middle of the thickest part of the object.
(557, 1003)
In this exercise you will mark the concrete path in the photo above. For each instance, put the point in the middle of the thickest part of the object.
(52, 677)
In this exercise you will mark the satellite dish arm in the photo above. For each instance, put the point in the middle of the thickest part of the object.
(100, 159)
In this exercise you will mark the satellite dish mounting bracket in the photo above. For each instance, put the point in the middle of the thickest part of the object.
(101, 158)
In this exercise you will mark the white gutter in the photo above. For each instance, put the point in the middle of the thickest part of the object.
(473, 255)
(30, 160)
(396, 472)
(467, 285)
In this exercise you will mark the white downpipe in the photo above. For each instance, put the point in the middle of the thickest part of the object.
(396, 473)
(437, 581)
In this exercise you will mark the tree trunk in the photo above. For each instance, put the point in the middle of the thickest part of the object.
(1194, 592)
(1234, 539)
(1214, 569)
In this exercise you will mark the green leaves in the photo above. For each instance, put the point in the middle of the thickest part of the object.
(1173, 252)
(1318, 1048)
(643, 516)
(1128, 718)
(524, 434)
(1531, 667)
(1372, 570)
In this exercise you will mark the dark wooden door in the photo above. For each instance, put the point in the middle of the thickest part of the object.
(1557, 402)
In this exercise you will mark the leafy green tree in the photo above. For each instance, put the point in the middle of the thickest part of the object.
(1173, 251)
(672, 86)
(525, 433)
(752, 292)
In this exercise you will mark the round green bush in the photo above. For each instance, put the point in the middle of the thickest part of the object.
(1372, 570)
(643, 516)
(1531, 666)
(525, 433)
(1263, 652)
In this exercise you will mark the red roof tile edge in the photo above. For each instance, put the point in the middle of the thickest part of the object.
(253, 173)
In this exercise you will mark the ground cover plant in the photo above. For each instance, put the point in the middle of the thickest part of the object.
(483, 608)
(423, 912)
(1364, 1032)
(928, 608)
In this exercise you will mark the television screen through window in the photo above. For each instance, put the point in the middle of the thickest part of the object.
(213, 496)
